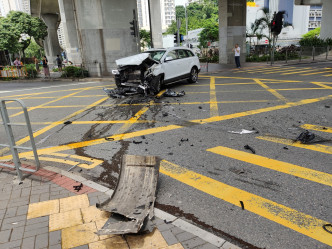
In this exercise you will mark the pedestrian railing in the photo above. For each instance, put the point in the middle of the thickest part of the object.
(10, 137)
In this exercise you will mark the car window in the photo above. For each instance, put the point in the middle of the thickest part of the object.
(182, 54)
(172, 54)
(156, 55)
(190, 54)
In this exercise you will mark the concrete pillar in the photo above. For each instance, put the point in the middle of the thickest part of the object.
(51, 42)
(157, 36)
(232, 29)
(67, 13)
(326, 29)
(104, 32)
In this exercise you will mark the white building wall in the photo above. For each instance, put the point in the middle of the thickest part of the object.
(16, 5)
(167, 8)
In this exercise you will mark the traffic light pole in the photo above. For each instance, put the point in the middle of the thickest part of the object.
(178, 25)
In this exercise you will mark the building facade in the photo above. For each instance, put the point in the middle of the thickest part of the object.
(315, 16)
(167, 8)
(16, 5)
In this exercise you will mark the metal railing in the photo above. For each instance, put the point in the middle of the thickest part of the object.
(10, 136)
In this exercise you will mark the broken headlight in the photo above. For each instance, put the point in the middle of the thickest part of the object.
(115, 71)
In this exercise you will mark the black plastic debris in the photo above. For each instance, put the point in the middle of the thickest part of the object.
(78, 187)
(285, 148)
(109, 139)
(119, 93)
(171, 93)
(242, 205)
(327, 230)
(184, 140)
(200, 107)
(67, 122)
(327, 106)
(247, 147)
(305, 137)
(137, 142)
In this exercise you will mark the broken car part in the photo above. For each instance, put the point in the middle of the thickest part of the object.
(327, 230)
(243, 131)
(247, 147)
(305, 137)
(171, 93)
(133, 199)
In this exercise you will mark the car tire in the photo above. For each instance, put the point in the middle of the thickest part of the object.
(157, 83)
(193, 75)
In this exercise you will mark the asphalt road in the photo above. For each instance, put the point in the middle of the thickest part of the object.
(279, 197)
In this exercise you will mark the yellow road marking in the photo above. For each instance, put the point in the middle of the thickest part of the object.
(243, 78)
(168, 128)
(213, 98)
(283, 215)
(315, 147)
(299, 72)
(317, 128)
(287, 70)
(274, 92)
(52, 101)
(287, 168)
(316, 73)
(54, 124)
(322, 85)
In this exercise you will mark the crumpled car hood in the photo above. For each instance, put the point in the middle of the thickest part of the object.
(134, 60)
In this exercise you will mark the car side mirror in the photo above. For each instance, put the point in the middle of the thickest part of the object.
(168, 58)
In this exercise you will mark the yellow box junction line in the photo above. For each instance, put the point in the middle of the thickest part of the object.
(317, 128)
(315, 147)
(322, 85)
(168, 128)
(213, 98)
(274, 92)
(283, 215)
(287, 168)
(52, 101)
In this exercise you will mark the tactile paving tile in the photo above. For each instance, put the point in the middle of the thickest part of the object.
(43, 208)
(93, 214)
(74, 202)
(115, 242)
(79, 235)
(150, 240)
(66, 219)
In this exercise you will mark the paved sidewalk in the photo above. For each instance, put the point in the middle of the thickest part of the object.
(44, 211)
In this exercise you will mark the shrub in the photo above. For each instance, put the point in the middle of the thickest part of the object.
(31, 71)
(72, 71)
(315, 42)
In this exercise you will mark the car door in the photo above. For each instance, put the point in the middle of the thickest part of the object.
(171, 65)
(185, 62)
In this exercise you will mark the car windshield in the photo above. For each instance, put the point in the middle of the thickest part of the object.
(157, 54)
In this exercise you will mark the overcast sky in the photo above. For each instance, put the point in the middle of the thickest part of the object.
(180, 2)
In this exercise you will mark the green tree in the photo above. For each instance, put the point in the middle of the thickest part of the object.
(312, 33)
(27, 27)
(34, 50)
(145, 38)
(254, 31)
(209, 34)
(9, 37)
(180, 11)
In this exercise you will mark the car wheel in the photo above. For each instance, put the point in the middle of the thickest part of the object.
(157, 82)
(193, 75)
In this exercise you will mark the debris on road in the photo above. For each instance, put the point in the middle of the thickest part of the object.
(184, 140)
(242, 205)
(78, 187)
(305, 137)
(327, 106)
(247, 147)
(171, 93)
(133, 199)
(285, 148)
(243, 131)
(67, 122)
(109, 139)
(137, 142)
(327, 230)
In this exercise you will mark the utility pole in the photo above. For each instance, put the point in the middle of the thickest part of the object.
(150, 23)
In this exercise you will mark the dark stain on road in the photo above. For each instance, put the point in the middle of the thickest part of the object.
(179, 213)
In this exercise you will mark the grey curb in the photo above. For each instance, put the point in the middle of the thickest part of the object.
(184, 225)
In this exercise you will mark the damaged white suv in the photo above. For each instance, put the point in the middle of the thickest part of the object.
(150, 70)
